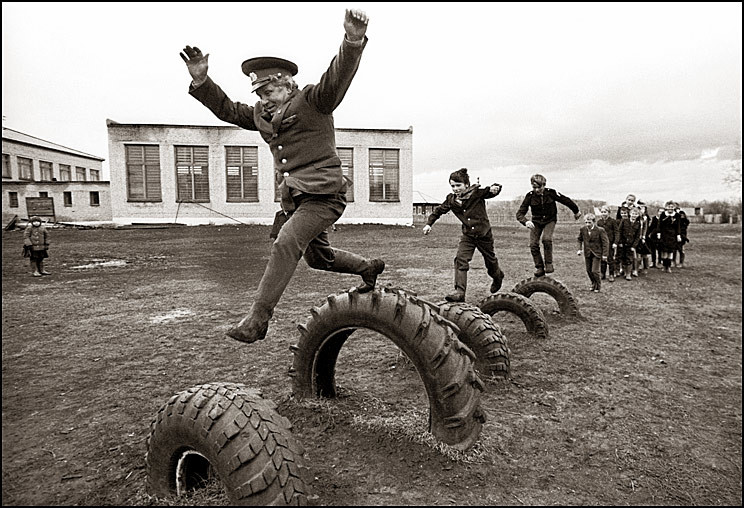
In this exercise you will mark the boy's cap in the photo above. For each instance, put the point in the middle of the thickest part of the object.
(35, 218)
(260, 69)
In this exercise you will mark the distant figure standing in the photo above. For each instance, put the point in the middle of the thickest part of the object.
(610, 226)
(669, 235)
(684, 223)
(468, 204)
(542, 202)
(595, 245)
(36, 241)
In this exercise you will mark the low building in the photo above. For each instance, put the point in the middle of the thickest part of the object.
(191, 174)
(58, 183)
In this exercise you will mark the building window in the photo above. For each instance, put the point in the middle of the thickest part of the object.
(95, 175)
(242, 173)
(45, 171)
(347, 166)
(95, 199)
(25, 168)
(13, 199)
(192, 174)
(43, 194)
(80, 174)
(67, 198)
(384, 174)
(143, 173)
(6, 166)
(64, 173)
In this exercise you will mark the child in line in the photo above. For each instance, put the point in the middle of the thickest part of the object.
(595, 245)
(651, 237)
(684, 223)
(610, 226)
(643, 254)
(36, 239)
(468, 204)
(628, 238)
(668, 235)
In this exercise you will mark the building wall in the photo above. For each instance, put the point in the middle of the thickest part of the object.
(218, 210)
(81, 211)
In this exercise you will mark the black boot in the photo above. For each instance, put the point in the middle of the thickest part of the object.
(254, 326)
(461, 283)
(369, 275)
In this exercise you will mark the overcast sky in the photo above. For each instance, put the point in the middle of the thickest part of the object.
(603, 99)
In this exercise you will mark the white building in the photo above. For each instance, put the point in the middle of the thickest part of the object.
(59, 184)
(192, 174)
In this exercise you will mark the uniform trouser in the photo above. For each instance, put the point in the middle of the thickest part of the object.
(546, 232)
(304, 234)
(627, 254)
(609, 263)
(593, 264)
(465, 250)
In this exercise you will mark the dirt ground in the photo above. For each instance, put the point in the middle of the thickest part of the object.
(637, 404)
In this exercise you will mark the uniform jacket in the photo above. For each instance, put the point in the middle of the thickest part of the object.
(471, 210)
(629, 233)
(684, 222)
(301, 135)
(610, 226)
(544, 209)
(653, 227)
(669, 227)
(37, 238)
(594, 241)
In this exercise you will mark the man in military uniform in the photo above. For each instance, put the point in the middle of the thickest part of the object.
(298, 126)
(541, 201)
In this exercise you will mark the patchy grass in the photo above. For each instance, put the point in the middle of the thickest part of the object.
(638, 403)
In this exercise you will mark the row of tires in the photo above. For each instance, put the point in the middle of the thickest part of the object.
(228, 431)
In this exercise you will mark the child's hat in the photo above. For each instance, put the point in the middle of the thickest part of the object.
(35, 218)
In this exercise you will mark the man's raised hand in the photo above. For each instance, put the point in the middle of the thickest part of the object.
(196, 63)
(355, 24)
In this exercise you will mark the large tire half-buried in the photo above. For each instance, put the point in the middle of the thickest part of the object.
(483, 336)
(522, 307)
(227, 432)
(444, 364)
(555, 288)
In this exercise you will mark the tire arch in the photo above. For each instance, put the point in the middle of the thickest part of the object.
(553, 287)
(522, 307)
(231, 430)
(444, 364)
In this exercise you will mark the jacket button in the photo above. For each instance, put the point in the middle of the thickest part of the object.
(280, 147)
(284, 161)
(286, 174)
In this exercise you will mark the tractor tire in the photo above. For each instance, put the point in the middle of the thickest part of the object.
(483, 336)
(444, 364)
(555, 288)
(521, 306)
(227, 431)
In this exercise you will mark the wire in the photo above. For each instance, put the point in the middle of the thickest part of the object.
(215, 211)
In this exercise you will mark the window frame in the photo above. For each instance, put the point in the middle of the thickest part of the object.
(62, 171)
(348, 170)
(67, 198)
(97, 200)
(144, 168)
(242, 166)
(13, 199)
(191, 173)
(7, 170)
(21, 166)
(385, 175)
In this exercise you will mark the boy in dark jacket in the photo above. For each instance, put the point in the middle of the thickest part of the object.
(595, 246)
(468, 204)
(629, 234)
(610, 226)
(542, 202)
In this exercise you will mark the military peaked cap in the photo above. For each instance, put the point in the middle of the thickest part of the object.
(260, 69)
